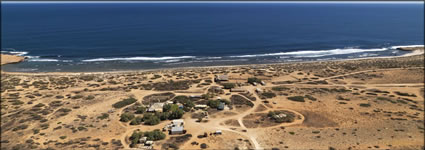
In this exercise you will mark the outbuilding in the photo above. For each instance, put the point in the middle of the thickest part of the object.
(177, 130)
(156, 107)
(177, 122)
(221, 78)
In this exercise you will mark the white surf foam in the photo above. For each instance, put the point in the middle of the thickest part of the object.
(46, 60)
(395, 47)
(319, 53)
(19, 53)
(137, 58)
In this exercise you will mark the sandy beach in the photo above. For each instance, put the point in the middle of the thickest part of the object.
(9, 59)
(372, 103)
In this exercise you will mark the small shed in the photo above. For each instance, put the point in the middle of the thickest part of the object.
(222, 78)
(156, 107)
(218, 132)
(177, 122)
(201, 106)
(148, 143)
(143, 139)
(176, 130)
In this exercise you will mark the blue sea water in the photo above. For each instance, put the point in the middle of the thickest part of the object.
(127, 36)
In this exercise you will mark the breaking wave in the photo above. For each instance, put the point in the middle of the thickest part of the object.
(319, 53)
(137, 58)
(19, 53)
(395, 47)
(46, 60)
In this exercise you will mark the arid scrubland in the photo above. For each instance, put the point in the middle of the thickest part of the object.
(352, 104)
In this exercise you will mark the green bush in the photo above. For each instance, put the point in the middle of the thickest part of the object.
(280, 88)
(150, 119)
(404, 94)
(140, 110)
(154, 135)
(229, 85)
(290, 117)
(136, 121)
(90, 97)
(20, 127)
(310, 97)
(174, 111)
(134, 138)
(36, 131)
(297, 98)
(125, 117)
(268, 94)
(213, 103)
(124, 102)
(254, 79)
(103, 116)
(204, 146)
(187, 103)
(364, 105)
(163, 115)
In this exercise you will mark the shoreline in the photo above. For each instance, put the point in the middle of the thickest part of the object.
(413, 53)
(333, 95)
(10, 59)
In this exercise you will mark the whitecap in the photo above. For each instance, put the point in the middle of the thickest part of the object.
(46, 60)
(318, 53)
(137, 58)
(395, 47)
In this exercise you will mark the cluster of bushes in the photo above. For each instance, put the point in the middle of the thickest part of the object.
(173, 111)
(170, 111)
(124, 102)
(216, 103)
(280, 88)
(254, 79)
(103, 116)
(268, 94)
(341, 90)
(207, 95)
(404, 94)
(154, 135)
(187, 103)
(310, 97)
(274, 115)
(364, 105)
(228, 85)
(170, 85)
(140, 110)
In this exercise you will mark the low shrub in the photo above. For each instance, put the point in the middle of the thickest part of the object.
(268, 94)
(296, 98)
(124, 102)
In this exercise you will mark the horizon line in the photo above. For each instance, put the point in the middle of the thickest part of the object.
(322, 2)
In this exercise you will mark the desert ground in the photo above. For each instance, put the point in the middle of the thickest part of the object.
(353, 104)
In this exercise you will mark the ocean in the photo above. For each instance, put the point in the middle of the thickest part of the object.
(87, 37)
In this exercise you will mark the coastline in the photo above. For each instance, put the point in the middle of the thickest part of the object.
(10, 59)
(338, 94)
(414, 52)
